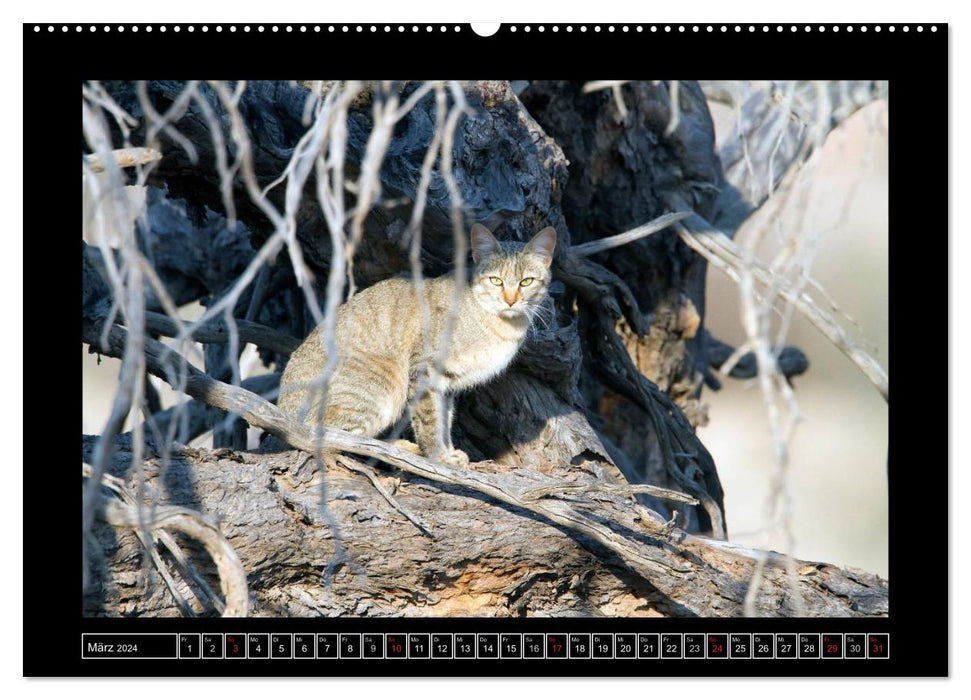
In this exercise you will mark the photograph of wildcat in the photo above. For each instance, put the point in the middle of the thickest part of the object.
(454, 349)
(382, 363)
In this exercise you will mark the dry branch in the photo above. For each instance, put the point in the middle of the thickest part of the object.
(725, 254)
(159, 520)
(193, 418)
(218, 331)
(232, 574)
(777, 126)
(658, 224)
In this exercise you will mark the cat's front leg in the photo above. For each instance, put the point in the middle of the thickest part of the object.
(431, 419)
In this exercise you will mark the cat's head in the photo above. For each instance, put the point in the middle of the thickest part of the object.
(510, 279)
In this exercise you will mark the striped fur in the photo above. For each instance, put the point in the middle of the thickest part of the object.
(383, 354)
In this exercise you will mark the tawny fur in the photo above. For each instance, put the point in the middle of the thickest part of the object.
(383, 356)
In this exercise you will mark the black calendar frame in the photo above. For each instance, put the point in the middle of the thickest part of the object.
(915, 63)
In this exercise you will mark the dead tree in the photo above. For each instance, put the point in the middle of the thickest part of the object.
(589, 492)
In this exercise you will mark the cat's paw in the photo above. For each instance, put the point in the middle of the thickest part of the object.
(407, 446)
(457, 458)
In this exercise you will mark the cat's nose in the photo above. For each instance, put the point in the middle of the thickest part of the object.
(509, 301)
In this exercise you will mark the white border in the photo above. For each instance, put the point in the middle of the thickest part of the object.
(670, 634)
(771, 646)
(846, 646)
(475, 646)
(521, 646)
(546, 646)
(381, 646)
(245, 637)
(451, 646)
(795, 646)
(878, 658)
(337, 646)
(684, 645)
(249, 646)
(198, 636)
(222, 647)
(613, 645)
(484, 634)
(281, 634)
(313, 646)
(819, 649)
(822, 642)
(636, 647)
(656, 634)
(569, 646)
(731, 649)
(360, 645)
(420, 658)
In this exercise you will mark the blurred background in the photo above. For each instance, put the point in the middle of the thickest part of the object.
(838, 463)
(837, 474)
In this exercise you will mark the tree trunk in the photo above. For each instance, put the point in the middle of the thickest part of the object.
(471, 556)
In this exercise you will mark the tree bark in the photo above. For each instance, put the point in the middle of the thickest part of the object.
(359, 555)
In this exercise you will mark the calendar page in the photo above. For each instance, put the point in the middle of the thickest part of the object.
(437, 349)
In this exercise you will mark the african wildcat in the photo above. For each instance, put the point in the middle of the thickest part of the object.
(383, 359)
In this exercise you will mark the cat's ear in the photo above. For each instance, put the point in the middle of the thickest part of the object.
(483, 242)
(543, 244)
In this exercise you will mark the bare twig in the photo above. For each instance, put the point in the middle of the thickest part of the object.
(624, 489)
(595, 85)
(368, 472)
(232, 576)
(674, 87)
(615, 88)
(725, 254)
(112, 222)
(602, 244)
(219, 331)
(459, 240)
(124, 512)
(117, 487)
(162, 123)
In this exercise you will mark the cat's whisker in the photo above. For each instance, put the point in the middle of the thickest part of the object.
(542, 314)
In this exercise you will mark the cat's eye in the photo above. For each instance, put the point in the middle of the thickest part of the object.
(496, 281)
(526, 281)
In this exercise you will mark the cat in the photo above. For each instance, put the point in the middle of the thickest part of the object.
(383, 357)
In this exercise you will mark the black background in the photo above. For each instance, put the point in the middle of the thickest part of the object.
(916, 65)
